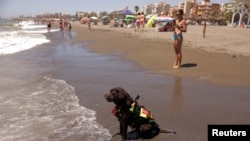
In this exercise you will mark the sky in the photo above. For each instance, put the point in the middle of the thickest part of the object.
(15, 8)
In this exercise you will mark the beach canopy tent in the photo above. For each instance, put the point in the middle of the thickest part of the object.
(127, 12)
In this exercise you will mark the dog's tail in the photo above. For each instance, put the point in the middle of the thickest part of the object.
(167, 131)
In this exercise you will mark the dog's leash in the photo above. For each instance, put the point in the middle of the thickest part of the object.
(118, 133)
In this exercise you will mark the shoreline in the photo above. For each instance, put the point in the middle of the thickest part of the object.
(176, 103)
(155, 54)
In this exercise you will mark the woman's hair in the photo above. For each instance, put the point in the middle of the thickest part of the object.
(180, 11)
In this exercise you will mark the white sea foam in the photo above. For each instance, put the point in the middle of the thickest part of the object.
(33, 26)
(40, 31)
(16, 41)
(26, 37)
(48, 110)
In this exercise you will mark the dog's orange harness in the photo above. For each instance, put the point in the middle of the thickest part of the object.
(144, 113)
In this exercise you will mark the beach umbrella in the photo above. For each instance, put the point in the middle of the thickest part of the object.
(129, 17)
(149, 16)
(84, 20)
(94, 18)
(151, 21)
(164, 19)
(105, 17)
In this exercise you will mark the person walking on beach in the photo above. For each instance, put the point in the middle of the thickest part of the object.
(89, 23)
(61, 25)
(180, 26)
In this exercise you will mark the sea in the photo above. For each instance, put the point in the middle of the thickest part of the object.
(34, 106)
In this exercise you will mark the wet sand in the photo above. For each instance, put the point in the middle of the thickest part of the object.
(183, 100)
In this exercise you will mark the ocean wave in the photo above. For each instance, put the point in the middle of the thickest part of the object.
(15, 41)
(48, 110)
(22, 36)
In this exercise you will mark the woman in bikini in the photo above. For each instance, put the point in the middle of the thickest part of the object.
(142, 21)
(180, 26)
(138, 22)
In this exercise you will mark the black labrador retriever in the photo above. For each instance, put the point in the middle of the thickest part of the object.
(129, 113)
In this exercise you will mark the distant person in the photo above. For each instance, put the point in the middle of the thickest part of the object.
(89, 23)
(180, 26)
(138, 21)
(243, 25)
(69, 27)
(142, 21)
(61, 25)
(112, 23)
(49, 26)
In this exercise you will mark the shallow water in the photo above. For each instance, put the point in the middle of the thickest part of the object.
(36, 106)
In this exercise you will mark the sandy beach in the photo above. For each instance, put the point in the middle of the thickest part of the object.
(222, 57)
(212, 87)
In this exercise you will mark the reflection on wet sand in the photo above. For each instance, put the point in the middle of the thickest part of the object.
(177, 94)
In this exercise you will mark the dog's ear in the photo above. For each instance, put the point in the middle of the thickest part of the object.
(129, 101)
(121, 93)
(124, 95)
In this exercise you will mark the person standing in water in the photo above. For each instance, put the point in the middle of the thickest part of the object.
(69, 26)
(180, 26)
(49, 25)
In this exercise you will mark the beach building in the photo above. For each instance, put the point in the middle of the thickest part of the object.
(81, 14)
(187, 7)
(156, 8)
(172, 10)
(205, 8)
(228, 6)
